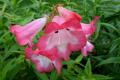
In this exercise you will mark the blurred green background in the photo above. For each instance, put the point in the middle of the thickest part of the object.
(102, 64)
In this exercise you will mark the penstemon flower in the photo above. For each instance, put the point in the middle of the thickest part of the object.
(88, 29)
(64, 38)
(25, 34)
(62, 35)
(44, 61)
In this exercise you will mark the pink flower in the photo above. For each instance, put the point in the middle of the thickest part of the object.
(62, 38)
(44, 61)
(67, 14)
(89, 29)
(25, 34)
(64, 34)
(87, 48)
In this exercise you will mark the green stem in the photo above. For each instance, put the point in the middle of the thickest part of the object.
(3, 9)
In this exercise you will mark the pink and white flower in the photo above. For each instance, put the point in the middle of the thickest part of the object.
(88, 29)
(66, 14)
(64, 34)
(87, 48)
(25, 34)
(44, 61)
(62, 38)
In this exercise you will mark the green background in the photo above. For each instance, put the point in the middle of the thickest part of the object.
(102, 64)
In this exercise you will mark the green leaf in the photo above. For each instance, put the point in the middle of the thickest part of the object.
(109, 60)
(111, 26)
(53, 75)
(88, 70)
(23, 21)
(98, 28)
(9, 66)
(41, 76)
(16, 68)
(79, 58)
(101, 77)
(115, 45)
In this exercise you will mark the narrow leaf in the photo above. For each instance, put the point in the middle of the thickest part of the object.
(109, 60)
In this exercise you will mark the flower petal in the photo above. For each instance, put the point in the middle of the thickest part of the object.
(58, 65)
(81, 40)
(42, 63)
(88, 48)
(58, 19)
(63, 38)
(74, 24)
(55, 26)
(25, 34)
(89, 29)
(42, 44)
(67, 14)
(51, 27)
(64, 52)
(54, 59)
(62, 42)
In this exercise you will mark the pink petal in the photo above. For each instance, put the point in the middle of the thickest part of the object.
(60, 52)
(54, 58)
(81, 40)
(88, 48)
(59, 42)
(62, 41)
(89, 29)
(64, 52)
(42, 44)
(58, 65)
(58, 19)
(55, 26)
(25, 34)
(74, 24)
(42, 63)
(51, 27)
(67, 14)
(84, 51)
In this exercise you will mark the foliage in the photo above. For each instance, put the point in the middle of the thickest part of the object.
(102, 64)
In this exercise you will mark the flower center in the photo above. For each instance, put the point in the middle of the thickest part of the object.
(56, 31)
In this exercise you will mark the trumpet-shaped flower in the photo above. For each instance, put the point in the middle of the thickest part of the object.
(66, 14)
(44, 61)
(64, 38)
(62, 35)
(88, 29)
(25, 34)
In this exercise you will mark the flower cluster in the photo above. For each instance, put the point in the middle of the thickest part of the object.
(63, 34)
